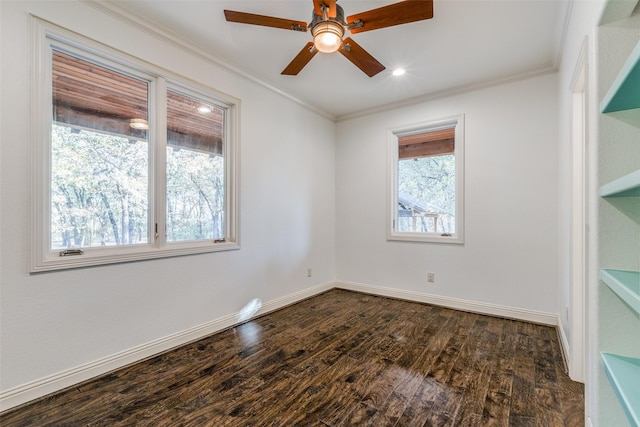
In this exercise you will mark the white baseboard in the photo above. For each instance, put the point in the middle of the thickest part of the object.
(455, 303)
(33, 390)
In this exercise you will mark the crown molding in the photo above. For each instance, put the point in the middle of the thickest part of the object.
(171, 37)
(446, 93)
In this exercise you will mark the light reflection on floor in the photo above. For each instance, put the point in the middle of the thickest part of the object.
(249, 333)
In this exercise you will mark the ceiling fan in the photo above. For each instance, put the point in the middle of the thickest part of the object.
(328, 27)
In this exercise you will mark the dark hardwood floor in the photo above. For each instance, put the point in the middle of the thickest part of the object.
(340, 358)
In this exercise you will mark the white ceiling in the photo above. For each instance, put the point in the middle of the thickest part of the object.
(468, 43)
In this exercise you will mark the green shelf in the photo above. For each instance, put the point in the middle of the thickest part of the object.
(626, 186)
(624, 376)
(624, 93)
(625, 284)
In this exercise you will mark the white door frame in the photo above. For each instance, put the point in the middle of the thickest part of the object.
(579, 228)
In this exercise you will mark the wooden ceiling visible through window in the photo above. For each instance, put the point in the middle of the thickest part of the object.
(426, 144)
(93, 97)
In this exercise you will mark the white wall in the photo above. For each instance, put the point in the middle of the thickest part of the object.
(510, 253)
(58, 321)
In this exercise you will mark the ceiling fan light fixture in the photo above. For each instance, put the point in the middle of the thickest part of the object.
(327, 36)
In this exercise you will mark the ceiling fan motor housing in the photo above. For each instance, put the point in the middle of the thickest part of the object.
(318, 19)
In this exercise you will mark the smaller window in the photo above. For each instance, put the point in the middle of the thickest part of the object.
(426, 182)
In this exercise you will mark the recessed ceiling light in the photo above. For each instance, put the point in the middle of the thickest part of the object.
(140, 124)
(204, 109)
(398, 72)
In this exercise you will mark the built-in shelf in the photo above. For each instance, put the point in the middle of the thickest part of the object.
(624, 93)
(621, 104)
(625, 284)
(626, 186)
(624, 376)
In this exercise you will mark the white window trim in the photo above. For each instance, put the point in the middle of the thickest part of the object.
(392, 180)
(44, 35)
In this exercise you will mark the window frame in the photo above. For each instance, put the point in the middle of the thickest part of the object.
(45, 38)
(393, 135)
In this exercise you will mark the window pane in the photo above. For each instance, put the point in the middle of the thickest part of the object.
(426, 194)
(99, 158)
(195, 169)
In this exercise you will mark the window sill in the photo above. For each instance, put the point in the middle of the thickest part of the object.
(426, 238)
(94, 257)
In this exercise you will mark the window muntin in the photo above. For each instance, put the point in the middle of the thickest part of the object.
(426, 182)
(107, 131)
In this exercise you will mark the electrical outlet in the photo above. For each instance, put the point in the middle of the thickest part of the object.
(431, 277)
(309, 272)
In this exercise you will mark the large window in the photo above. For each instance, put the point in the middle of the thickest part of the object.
(426, 182)
(130, 162)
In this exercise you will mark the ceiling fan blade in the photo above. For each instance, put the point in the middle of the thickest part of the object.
(265, 21)
(360, 57)
(300, 60)
(331, 4)
(393, 14)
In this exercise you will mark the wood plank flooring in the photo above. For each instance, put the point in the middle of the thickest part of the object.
(338, 359)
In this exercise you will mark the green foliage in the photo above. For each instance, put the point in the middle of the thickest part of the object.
(195, 195)
(426, 190)
(100, 191)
